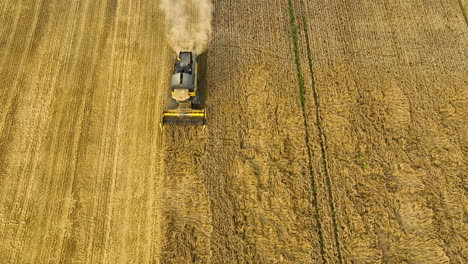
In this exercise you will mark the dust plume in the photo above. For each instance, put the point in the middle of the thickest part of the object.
(189, 24)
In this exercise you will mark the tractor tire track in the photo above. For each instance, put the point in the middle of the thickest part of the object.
(320, 132)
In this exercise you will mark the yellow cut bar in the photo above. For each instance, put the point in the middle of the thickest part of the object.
(195, 114)
(191, 94)
(182, 117)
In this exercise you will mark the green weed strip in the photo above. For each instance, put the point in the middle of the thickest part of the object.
(300, 80)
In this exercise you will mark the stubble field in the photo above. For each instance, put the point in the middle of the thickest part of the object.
(336, 133)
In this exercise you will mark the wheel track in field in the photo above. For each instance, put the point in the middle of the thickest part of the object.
(463, 10)
(321, 133)
(307, 140)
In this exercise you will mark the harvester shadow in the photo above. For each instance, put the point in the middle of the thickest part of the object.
(202, 80)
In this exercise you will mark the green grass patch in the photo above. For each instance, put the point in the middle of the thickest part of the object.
(361, 161)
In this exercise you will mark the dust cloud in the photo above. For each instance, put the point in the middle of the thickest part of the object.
(189, 24)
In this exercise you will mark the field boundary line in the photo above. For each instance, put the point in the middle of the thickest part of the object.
(300, 81)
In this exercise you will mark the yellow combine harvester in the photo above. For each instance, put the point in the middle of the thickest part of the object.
(184, 88)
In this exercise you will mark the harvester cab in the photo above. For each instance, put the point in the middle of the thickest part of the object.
(184, 90)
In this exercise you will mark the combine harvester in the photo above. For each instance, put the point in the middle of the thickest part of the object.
(184, 88)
